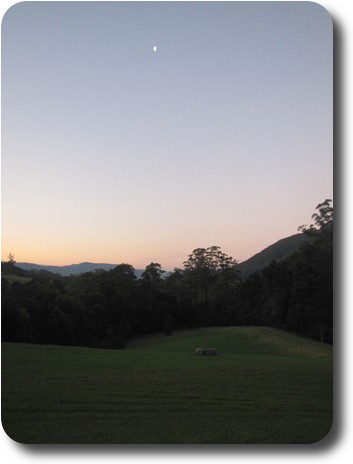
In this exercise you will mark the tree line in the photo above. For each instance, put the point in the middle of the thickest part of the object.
(106, 308)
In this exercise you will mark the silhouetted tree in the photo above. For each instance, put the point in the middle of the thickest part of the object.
(204, 266)
(323, 221)
(277, 284)
(105, 308)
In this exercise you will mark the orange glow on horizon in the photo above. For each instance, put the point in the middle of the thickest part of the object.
(139, 254)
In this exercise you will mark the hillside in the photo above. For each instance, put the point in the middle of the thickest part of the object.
(72, 269)
(276, 252)
(68, 269)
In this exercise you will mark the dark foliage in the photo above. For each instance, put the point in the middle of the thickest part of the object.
(105, 308)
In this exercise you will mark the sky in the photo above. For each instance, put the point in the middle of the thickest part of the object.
(113, 152)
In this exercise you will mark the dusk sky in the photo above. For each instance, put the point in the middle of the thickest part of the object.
(113, 152)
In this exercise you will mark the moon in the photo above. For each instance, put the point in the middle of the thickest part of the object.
(154, 48)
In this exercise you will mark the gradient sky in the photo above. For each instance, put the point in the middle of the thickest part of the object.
(112, 152)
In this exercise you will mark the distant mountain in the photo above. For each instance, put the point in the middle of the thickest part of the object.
(72, 269)
(276, 252)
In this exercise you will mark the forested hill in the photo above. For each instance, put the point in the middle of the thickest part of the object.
(275, 252)
(104, 309)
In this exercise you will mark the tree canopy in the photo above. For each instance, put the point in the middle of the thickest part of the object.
(105, 308)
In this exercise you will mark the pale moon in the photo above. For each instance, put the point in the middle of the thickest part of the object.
(154, 48)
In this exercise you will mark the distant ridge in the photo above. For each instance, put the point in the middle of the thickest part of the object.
(71, 269)
(276, 252)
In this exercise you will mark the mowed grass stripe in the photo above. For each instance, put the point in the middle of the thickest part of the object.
(247, 394)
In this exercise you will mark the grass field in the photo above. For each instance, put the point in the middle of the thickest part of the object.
(15, 278)
(265, 386)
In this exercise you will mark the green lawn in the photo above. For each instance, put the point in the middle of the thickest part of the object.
(263, 387)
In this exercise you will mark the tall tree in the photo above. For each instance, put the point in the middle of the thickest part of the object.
(323, 220)
(212, 277)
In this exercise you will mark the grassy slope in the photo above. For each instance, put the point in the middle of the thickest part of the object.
(264, 387)
(16, 278)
